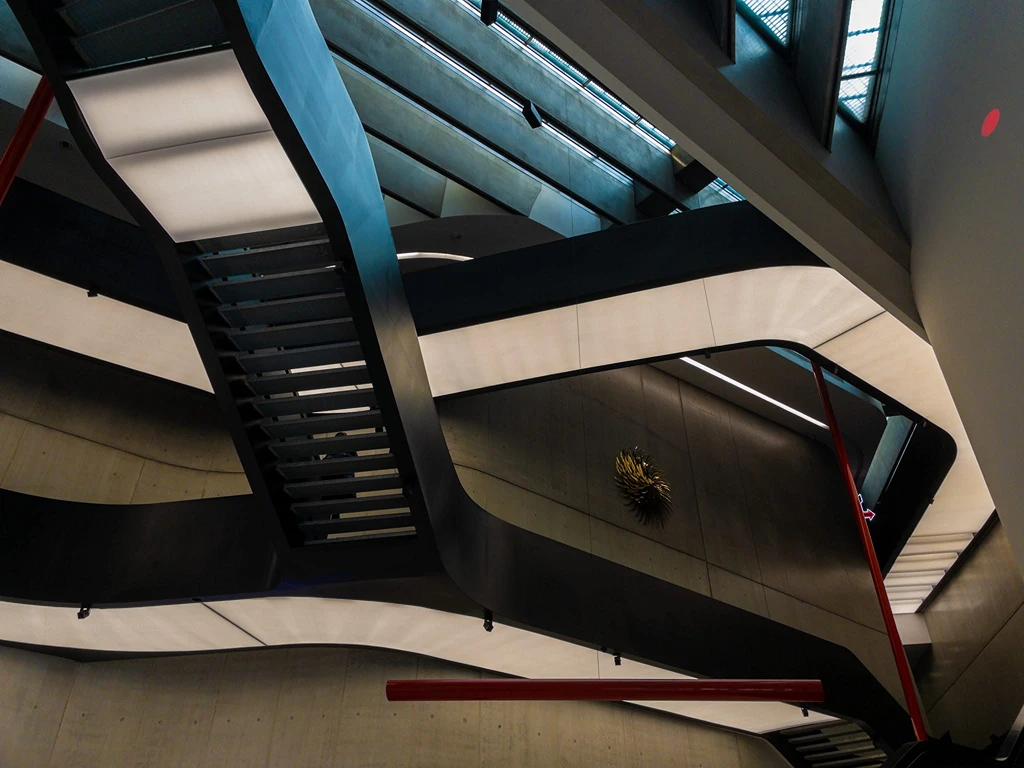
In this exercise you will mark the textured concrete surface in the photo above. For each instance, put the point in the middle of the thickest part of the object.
(76, 429)
(315, 708)
(759, 519)
(972, 681)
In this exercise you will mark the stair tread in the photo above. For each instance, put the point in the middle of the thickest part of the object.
(269, 360)
(327, 306)
(321, 423)
(173, 29)
(404, 532)
(302, 334)
(341, 485)
(357, 524)
(282, 383)
(270, 258)
(321, 508)
(88, 16)
(276, 286)
(300, 447)
(292, 405)
(298, 470)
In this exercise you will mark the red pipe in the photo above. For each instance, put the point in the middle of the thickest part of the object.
(906, 679)
(796, 691)
(27, 129)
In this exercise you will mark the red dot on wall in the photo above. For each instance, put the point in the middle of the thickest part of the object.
(990, 123)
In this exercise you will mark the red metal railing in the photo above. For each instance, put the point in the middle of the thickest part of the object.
(793, 691)
(27, 129)
(902, 667)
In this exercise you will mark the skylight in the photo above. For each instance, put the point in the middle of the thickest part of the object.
(541, 50)
(773, 14)
(532, 45)
(860, 65)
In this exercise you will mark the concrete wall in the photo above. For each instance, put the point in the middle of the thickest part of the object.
(958, 193)
(972, 682)
(319, 707)
(759, 517)
(76, 429)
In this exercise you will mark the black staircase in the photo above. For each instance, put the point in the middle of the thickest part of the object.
(312, 352)
(839, 744)
(104, 33)
(279, 319)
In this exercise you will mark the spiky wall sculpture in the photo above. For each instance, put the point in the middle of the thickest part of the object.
(643, 486)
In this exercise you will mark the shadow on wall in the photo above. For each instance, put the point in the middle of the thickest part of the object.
(78, 429)
(972, 681)
(322, 706)
(759, 518)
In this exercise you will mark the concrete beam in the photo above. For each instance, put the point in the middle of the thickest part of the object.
(436, 145)
(469, 106)
(747, 123)
(566, 104)
(406, 180)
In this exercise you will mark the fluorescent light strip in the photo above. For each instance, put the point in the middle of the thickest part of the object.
(433, 255)
(753, 392)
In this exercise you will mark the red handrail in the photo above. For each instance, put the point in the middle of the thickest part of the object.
(794, 691)
(28, 127)
(906, 679)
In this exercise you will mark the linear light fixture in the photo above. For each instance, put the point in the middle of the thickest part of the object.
(752, 391)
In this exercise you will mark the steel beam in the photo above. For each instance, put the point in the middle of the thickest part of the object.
(792, 691)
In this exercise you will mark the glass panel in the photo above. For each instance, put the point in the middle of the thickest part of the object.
(650, 130)
(774, 14)
(862, 51)
(561, 64)
(612, 102)
(513, 29)
(855, 95)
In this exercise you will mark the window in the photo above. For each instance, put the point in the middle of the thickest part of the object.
(860, 65)
(774, 16)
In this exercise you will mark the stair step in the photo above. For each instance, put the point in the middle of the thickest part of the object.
(320, 425)
(342, 485)
(333, 331)
(275, 258)
(329, 306)
(839, 750)
(317, 537)
(295, 405)
(299, 470)
(862, 761)
(87, 16)
(282, 285)
(835, 741)
(323, 509)
(308, 447)
(281, 383)
(282, 237)
(180, 27)
(362, 524)
(823, 733)
(267, 361)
